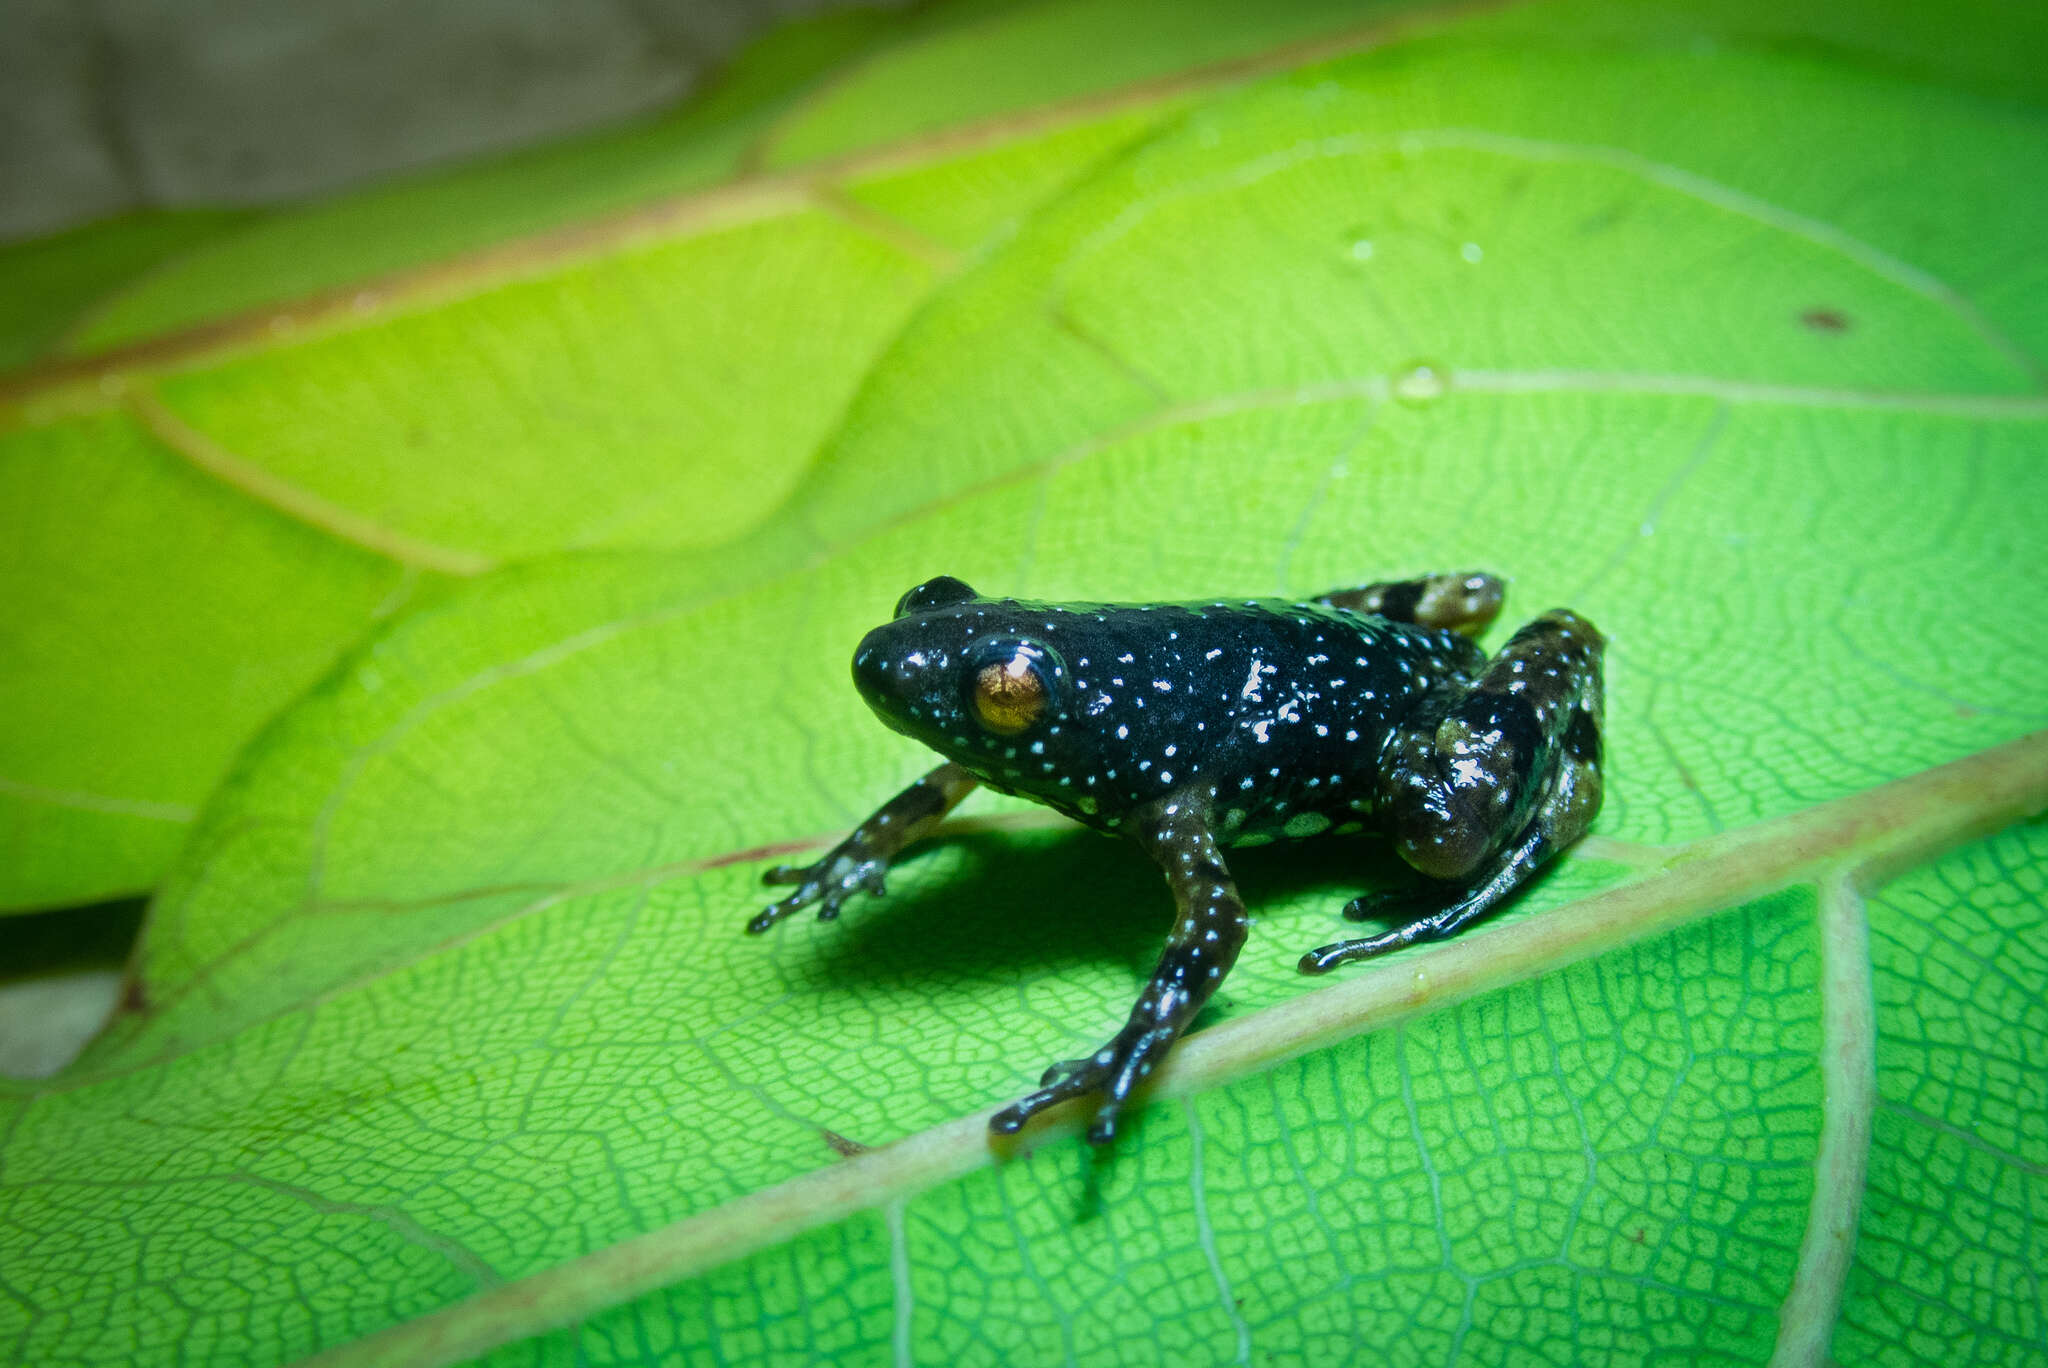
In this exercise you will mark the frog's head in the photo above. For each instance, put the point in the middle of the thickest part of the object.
(968, 677)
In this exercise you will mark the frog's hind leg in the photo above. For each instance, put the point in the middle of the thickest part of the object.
(1463, 603)
(1490, 787)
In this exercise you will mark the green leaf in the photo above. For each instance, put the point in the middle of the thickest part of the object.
(1737, 350)
(153, 615)
(622, 385)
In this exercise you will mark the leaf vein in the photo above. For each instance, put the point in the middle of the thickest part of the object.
(1848, 1064)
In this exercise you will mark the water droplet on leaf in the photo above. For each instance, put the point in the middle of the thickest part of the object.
(1421, 382)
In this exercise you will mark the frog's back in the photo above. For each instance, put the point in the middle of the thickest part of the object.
(1270, 711)
(1299, 712)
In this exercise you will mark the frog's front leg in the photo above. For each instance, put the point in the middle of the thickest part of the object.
(858, 863)
(1209, 930)
(1489, 785)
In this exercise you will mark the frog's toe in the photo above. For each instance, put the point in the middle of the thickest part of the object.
(1011, 1119)
(836, 897)
(1393, 904)
(1062, 1068)
(776, 911)
(1324, 958)
(1101, 1130)
(866, 878)
(810, 887)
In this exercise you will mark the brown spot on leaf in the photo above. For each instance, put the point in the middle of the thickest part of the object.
(759, 852)
(1825, 320)
(841, 1146)
(133, 999)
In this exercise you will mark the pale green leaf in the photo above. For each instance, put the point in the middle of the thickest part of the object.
(119, 562)
(661, 379)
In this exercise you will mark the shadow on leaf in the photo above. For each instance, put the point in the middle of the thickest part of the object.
(993, 904)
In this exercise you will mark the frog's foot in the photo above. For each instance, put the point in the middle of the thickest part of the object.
(828, 883)
(1426, 926)
(1423, 913)
(857, 864)
(1112, 1071)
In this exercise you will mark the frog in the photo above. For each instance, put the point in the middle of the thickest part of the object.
(1192, 727)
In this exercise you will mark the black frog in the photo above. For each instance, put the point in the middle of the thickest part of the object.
(1194, 726)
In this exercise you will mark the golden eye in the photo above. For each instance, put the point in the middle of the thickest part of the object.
(1009, 695)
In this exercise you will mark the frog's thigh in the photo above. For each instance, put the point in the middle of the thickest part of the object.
(1464, 602)
(1521, 747)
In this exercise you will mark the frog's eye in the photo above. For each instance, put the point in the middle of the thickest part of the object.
(1009, 685)
(943, 592)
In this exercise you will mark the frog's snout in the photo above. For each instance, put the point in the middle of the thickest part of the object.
(890, 674)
